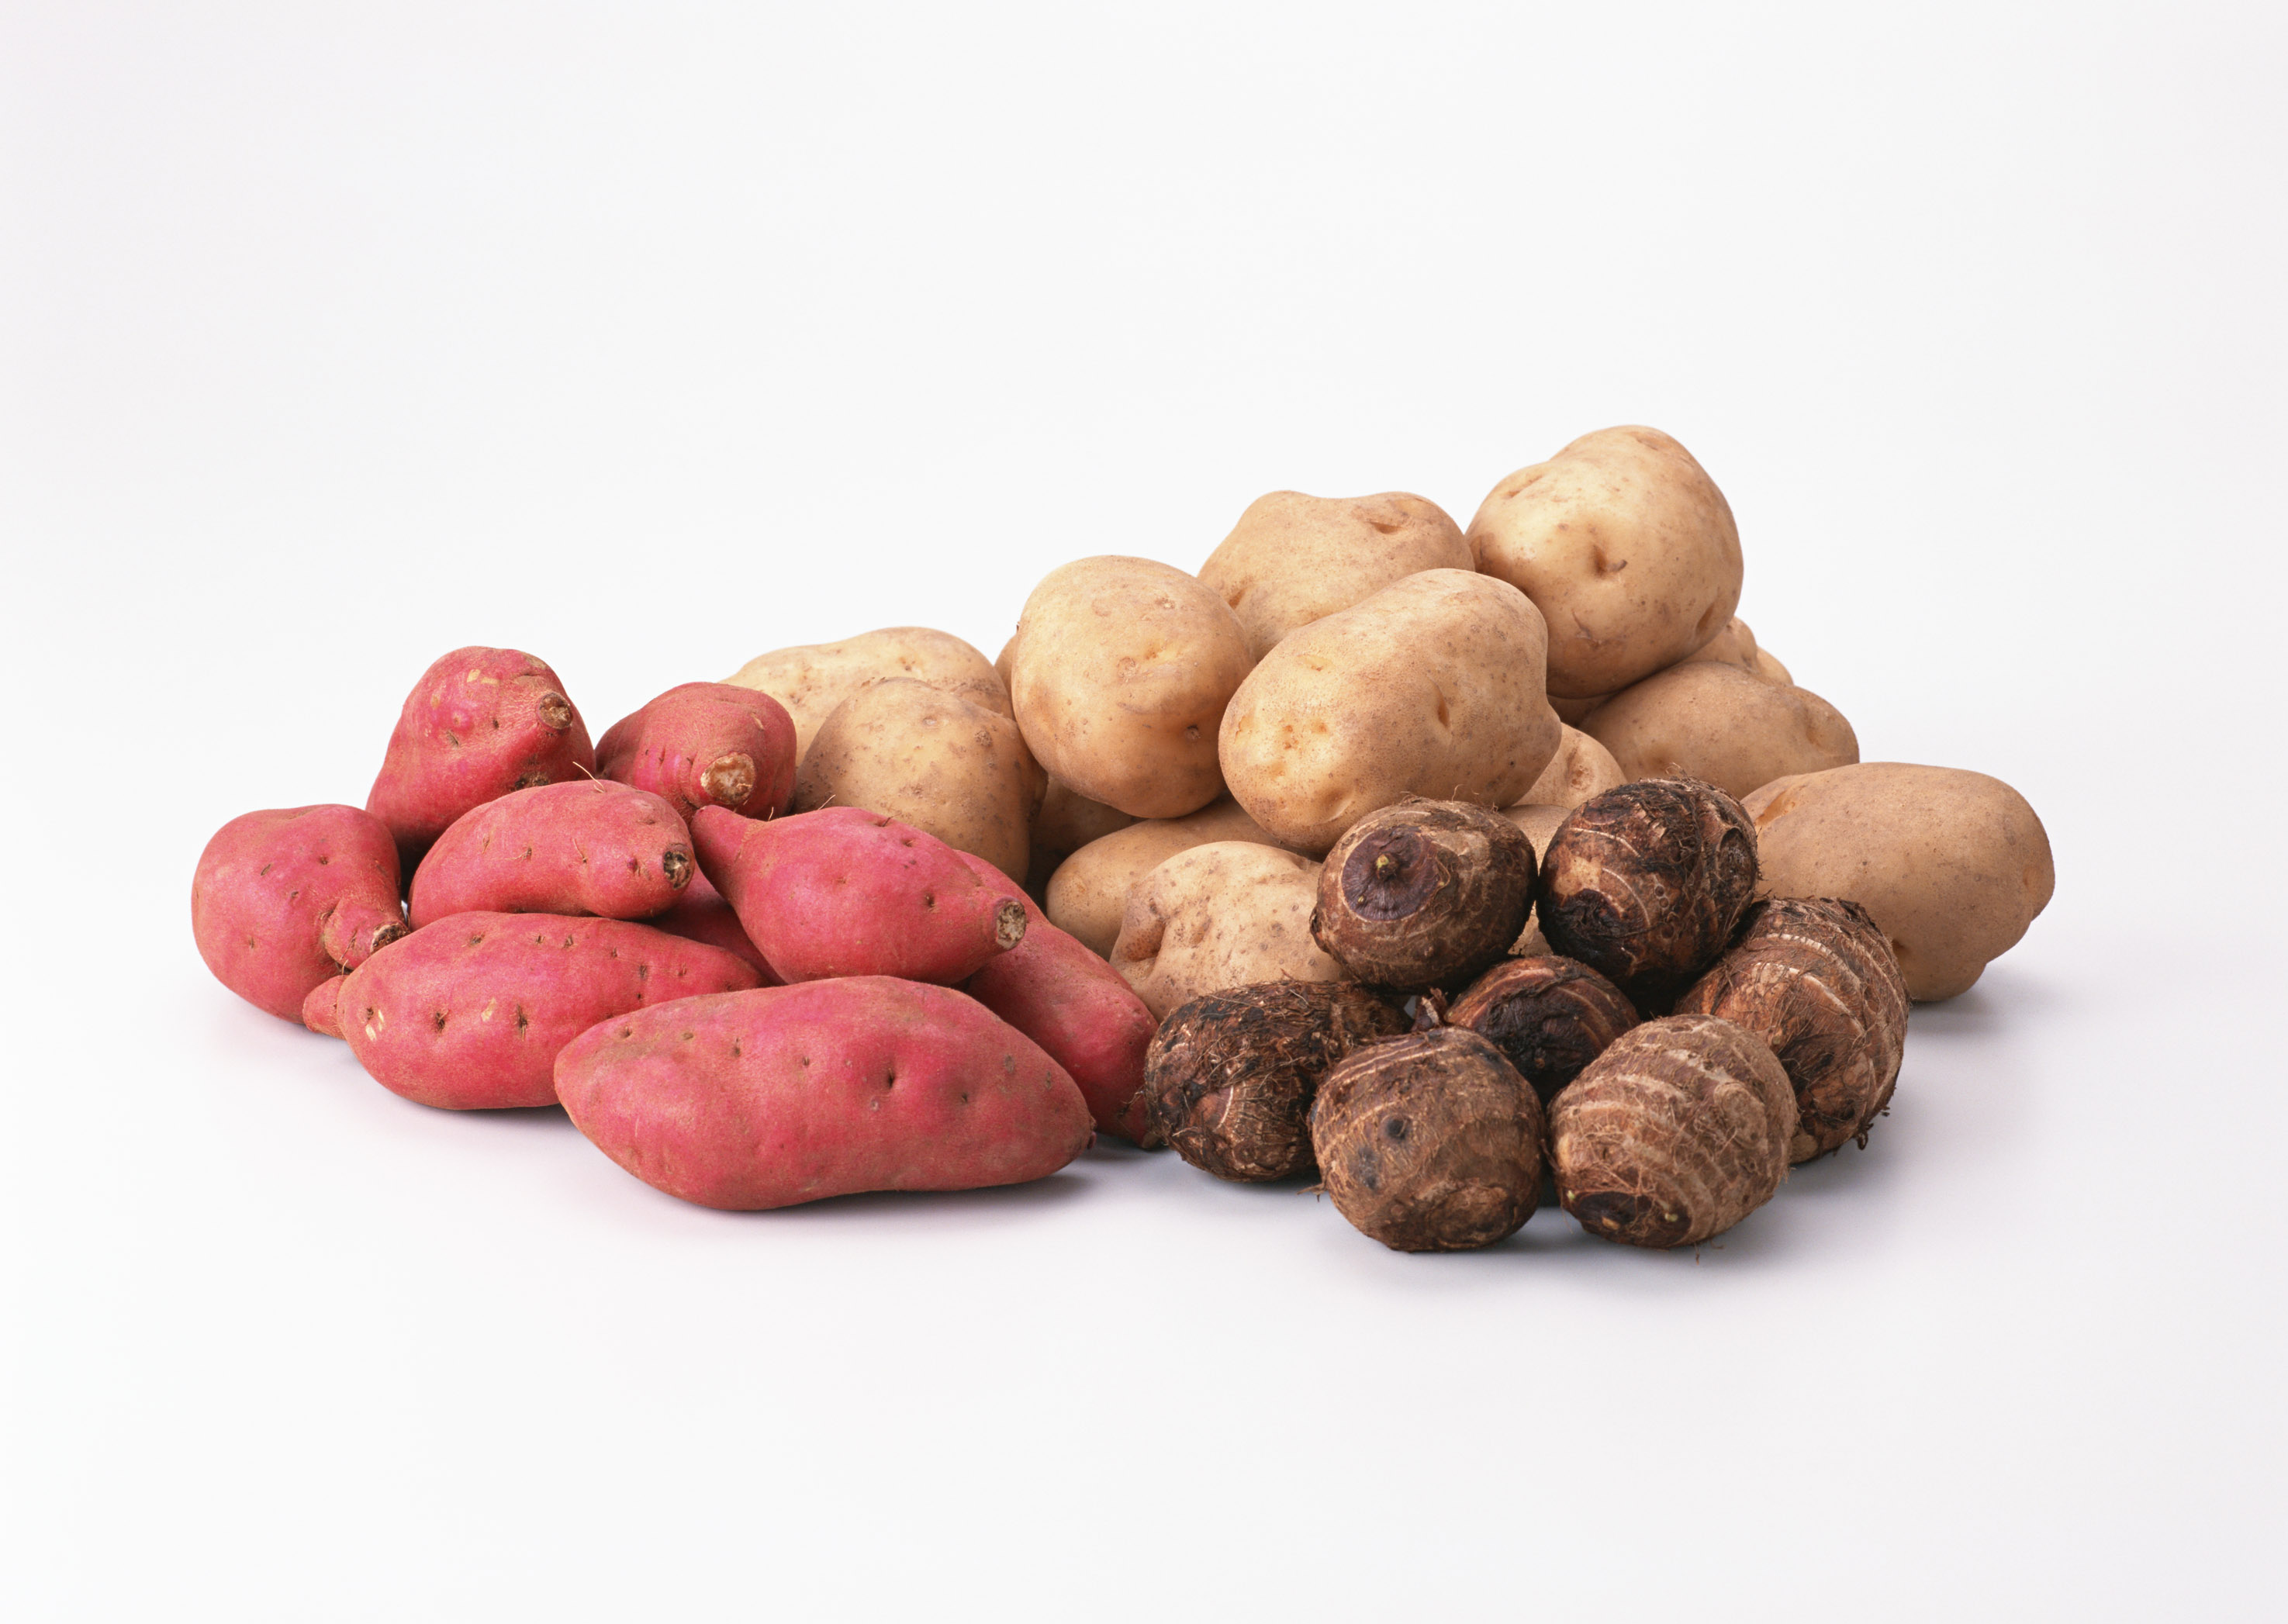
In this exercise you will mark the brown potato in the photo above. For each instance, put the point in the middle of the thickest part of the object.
(1067, 821)
(1713, 721)
(926, 757)
(812, 679)
(1539, 823)
(1293, 559)
(1220, 916)
(1952, 865)
(1430, 687)
(1581, 768)
(1627, 548)
(1121, 669)
(1088, 893)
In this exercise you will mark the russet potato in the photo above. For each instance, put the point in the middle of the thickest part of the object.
(1228, 913)
(1293, 559)
(1717, 723)
(1088, 892)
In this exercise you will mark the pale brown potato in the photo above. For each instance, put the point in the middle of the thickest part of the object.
(1293, 559)
(1717, 723)
(1627, 548)
(1770, 669)
(929, 758)
(1120, 672)
(1736, 644)
(1430, 687)
(812, 679)
(1067, 820)
(1953, 864)
(1581, 768)
(1228, 913)
(1573, 712)
(1088, 893)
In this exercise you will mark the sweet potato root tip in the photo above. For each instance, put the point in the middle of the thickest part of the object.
(554, 711)
(678, 866)
(729, 780)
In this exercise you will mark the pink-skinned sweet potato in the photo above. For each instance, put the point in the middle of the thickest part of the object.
(706, 744)
(790, 1093)
(842, 892)
(318, 1010)
(701, 914)
(479, 723)
(468, 1013)
(1054, 988)
(590, 846)
(284, 898)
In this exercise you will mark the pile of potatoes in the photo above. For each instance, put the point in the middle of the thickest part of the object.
(882, 914)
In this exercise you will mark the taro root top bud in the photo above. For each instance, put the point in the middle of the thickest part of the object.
(1814, 978)
(1431, 1143)
(1645, 883)
(1425, 892)
(1679, 1131)
(1550, 1016)
(1229, 1079)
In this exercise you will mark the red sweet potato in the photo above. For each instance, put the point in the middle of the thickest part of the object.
(284, 899)
(318, 1010)
(700, 915)
(788, 1094)
(590, 846)
(706, 744)
(468, 1013)
(1054, 988)
(479, 723)
(843, 891)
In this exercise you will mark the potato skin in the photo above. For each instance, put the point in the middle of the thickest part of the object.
(1293, 559)
(757, 1100)
(1076, 1007)
(812, 678)
(593, 847)
(1120, 672)
(1627, 546)
(1067, 821)
(479, 723)
(1581, 768)
(1223, 915)
(1952, 865)
(927, 758)
(844, 891)
(1723, 725)
(705, 744)
(1088, 892)
(287, 899)
(468, 1013)
(1430, 687)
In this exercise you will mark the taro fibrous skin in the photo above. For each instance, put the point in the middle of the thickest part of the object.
(1679, 1131)
(1431, 1143)
(1230, 1077)
(1814, 978)
(1645, 883)
(1424, 892)
(1549, 1015)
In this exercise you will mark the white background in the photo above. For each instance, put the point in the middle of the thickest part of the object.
(647, 339)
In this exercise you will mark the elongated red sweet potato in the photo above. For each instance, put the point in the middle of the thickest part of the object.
(283, 900)
(842, 892)
(706, 744)
(479, 723)
(762, 1099)
(701, 914)
(590, 846)
(1054, 988)
(469, 1012)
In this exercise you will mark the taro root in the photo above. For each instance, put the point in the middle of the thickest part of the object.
(1645, 883)
(1679, 1131)
(1431, 1143)
(1814, 978)
(1549, 1015)
(1424, 893)
(1229, 1079)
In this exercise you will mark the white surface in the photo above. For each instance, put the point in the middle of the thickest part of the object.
(336, 337)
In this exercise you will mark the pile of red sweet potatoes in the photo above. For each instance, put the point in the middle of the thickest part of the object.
(744, 1009)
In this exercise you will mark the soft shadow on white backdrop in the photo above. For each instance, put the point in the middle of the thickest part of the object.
(649, 338)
